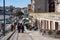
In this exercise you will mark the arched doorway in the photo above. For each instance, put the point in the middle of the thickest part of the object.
(56, 25)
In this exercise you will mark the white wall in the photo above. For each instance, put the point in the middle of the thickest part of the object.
(58, 8)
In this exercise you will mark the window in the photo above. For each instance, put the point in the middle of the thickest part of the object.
(51, 6)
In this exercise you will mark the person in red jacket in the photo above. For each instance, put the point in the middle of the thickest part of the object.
(12, 27)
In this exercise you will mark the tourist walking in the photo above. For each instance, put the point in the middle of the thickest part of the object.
(22, 28)
(3, 29)
(18, 27)
(12, 27)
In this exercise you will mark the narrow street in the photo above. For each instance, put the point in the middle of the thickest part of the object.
(29, 35)
(29, 19)
(34, 35)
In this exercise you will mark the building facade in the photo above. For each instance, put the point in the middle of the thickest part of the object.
(57, 5)
(49, 22)
(25, 11)
(29, 8)
(43, 5)
(8, 13)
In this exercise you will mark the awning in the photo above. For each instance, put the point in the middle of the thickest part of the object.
(25, 20)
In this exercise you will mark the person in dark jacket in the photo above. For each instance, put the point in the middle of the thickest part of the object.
(18, 27)
(22, 28)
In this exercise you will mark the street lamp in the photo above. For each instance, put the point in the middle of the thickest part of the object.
(4, 17)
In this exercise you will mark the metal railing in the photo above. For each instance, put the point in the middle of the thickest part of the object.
(8, 36)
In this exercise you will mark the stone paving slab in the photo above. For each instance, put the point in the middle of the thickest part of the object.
(23, 36)
(37, 36)
(34, 35)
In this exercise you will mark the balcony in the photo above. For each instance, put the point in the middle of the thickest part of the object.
(52, 15)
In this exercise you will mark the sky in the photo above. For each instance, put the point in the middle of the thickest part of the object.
(16, 3)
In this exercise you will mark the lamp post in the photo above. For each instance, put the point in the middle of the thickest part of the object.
(4, 17)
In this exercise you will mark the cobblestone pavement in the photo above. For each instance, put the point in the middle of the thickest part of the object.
(34, 35)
